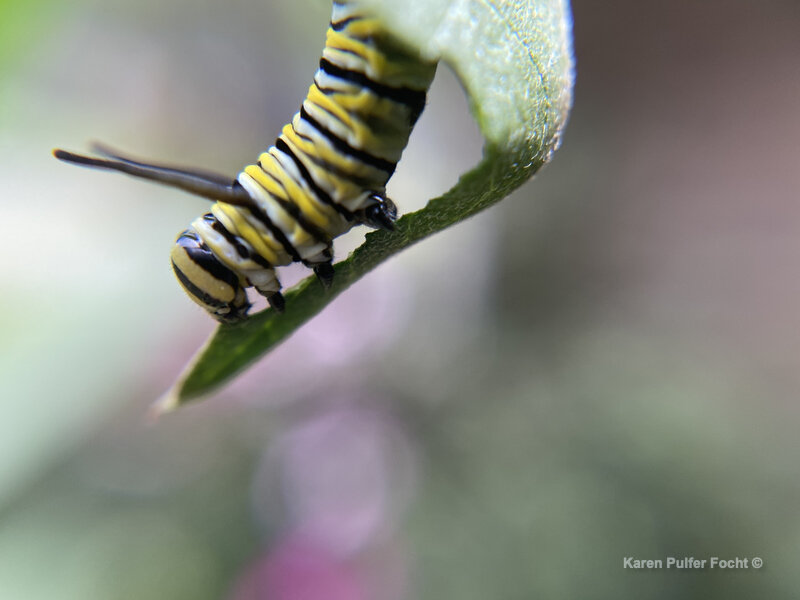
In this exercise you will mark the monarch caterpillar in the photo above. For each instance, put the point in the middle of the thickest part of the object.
(326, 173)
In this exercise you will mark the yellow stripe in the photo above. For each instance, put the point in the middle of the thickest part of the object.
(403, 70)
(328, 105)
(222, 249)
(363, 28)
(219, 290)
(264, 180)
(367, 102)
(298, 236)
(254, 237)
(360, 135)
(341, 41)
(331, 156)
(311, 208)
(338, 188)
(327, 154)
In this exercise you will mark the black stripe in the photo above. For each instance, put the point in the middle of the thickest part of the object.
(362, 182)
(290, 207)
(281, 145)
(260, 260)
(339, 25)
(196, 291)
(244, 250)
(345, 148)
(414, 99)
(241, 249)
(203, 257)
(276, 231)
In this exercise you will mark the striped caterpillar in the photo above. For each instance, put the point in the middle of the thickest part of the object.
(326, 173)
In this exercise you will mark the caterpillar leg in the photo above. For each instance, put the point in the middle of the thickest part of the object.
(266, 283)
(275, 299)
(277, 302)
(207, 281)
(322, 264)
(380, 213)
(324, 273)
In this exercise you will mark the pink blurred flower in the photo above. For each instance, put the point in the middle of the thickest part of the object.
(298, 569)
(344, 478)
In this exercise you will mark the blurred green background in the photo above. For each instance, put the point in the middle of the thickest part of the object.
(604, 365)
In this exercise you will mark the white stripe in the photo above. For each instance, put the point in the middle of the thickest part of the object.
(217, 242)
(328, 81)
(342, 11)
(283, 220)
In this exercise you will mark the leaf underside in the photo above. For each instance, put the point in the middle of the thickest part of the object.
(514, 60)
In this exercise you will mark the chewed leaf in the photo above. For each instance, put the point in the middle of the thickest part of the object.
(514, 60)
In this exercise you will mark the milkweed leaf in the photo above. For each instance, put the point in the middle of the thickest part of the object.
(514, 59)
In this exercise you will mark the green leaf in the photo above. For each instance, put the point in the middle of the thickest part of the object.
(514, 59)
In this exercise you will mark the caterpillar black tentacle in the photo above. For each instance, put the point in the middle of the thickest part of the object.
(326, 173)
(201, 183)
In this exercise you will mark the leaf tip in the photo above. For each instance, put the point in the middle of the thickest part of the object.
(167, 403)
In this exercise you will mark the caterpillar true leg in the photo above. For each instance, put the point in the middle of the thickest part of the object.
(324, 273)
(322, 264)
(277, 302)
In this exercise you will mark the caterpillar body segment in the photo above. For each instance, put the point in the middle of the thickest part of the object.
(326, 173)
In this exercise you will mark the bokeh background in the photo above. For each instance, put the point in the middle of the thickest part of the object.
(604, 365)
